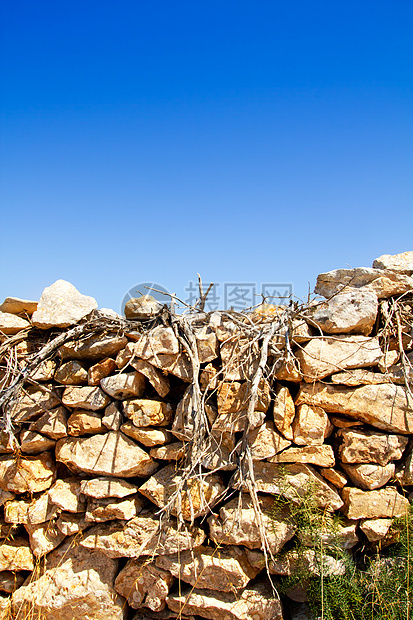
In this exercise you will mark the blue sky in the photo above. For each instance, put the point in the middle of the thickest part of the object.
(252, 142)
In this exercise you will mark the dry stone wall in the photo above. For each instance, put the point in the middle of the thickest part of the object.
(140, 457)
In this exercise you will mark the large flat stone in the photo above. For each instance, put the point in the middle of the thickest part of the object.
(350, 312)
(322, 456)
(71, 373)
(94, 347)
(369, 476)
(101, 488)
(402, 263)
(87, 397)
(44, 537)
(109, 509)
(15, 305)
(61, 305)
(124, 385)
(383, 503)
(27, 474)
(32, 402)
(155, 377)
(265, 441)
(356, 446)
(383, 283)
(16, 555)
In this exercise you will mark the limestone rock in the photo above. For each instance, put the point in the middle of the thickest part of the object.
(141, 536)
(367, 447)
(227, 529)
(27, 474)
(369, 476)
(45, 371)
(233, 397)
(8, 442)
(53, 423)
(405, 471)
(203, 494)
(240, 358)
(112, 418)
(12, 324)
(384, 406)
(311, 426)
(6, 529)
(178, 365)
(83, 422)
(145, 412)
(91, 398)
(9, 582)
(219, 451)
(149, 436)
(44, 537)
(142, 308)
(159, 341)
(287, 369)
(5, 607)
(284, 412)
(389, 358)
(384, 283)
(102, 488)
(207, 344)
(112, 454)
(16, 511)
(67, 496)
(325, 355)
(34, 443)
(340, 421)
(208, 378)
(375, 529)
(30, 511)
(109, 509)
(77, 583)
(253, 603)
(171, 452)
(124, 385)
(155, 377)
(61, 305)
(33, 403)
(313, 455)
(402, 263)
(359, 376)
(265, 441)
(5, 496)
(71, 373)
(15, 305)
(183, 424)
(353, 311)
(143, 584)
(334, 476)
(94, 347)
(332, 535)
(15, 555)
(384, 503)
(100, 371)
(70, 523)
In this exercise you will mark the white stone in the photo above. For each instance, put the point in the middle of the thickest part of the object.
(61, 305)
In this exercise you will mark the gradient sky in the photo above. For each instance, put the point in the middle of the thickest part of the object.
(259, 141)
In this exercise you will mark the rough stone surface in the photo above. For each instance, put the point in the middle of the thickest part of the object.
(9, 582)
(405, 471)
(325, 355)
(203, 494)
(44, 537)
(356, 446)
(233, 397)
(240, 358)
(375, 529)
(384, 284)
(33, 403)
(88, 397)
(284, 412)
(207, 344)
(45, 371)
(359, 376)
(402, 263)
(111, 454)
(34, 443)
(61, 305)
(100, 371)
(70, 523)
(208, 379)
(145, 412)
(27, 474)
(219, 450)
(71, 373)
(384, 503)
(124, 385)
(142, 308)
(313, 455)
(94, 347)
(384, 406)
(109, 509)
(112, 418)
(155, 377)
(350, 312)
(144, 585)
(183, 424)
(171, 452)
(102, 488)
(311, 426)
(369, 476)
(15, 555)
(83, 422)
(149, 436)
(337, 478)
(15, 305)
(12, 324)
(66, 495)
(78, 583)
(265, 441)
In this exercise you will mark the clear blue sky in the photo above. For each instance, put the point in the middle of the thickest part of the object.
(261, 141)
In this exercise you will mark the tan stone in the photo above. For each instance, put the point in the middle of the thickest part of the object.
(5, 496)
(12, 324)
(384, 284)
(70, 523)
(183, 424)
(286, 369)
(265, 441)
(27, 474)
(208, 378)
(171, 452)
(198, 496)
(405, 470)
(367, 447)
(384, 406)
(8, 442)
(301, 331)
(87, 397)
(111, 454)
(353, 311)
(178, 365)
(34, 443)
(291, 562)
(15, 305)
(335, 477)
(142, 308)
(240, 527)
(83, 422)
(369, 476)
(375, 529)
(5, 607)
(386, 502)
(142, 536)
(253, 603)
(155, 377)
(124, 385)
(159, 341)
(293, 481)
(32, 402)
(109, 509)
(30, 511)
(340, 421)
(145, 412)
(359, 376)
(16, 511)
(44, 537)
(15, 555)
(71, 373)
(102, 488)
(402, 263)
(240, 358)
(313, 455)
(325, 355)
(77, 583)
(100, 371)
(144, 585)
(341, 534)
(45, 371)
(310, 426)
(66, 495)
(61, 305)
(284, 412)
(233, 397)
(148, 436)
(94, 348)
(9, 582)
(112, 418)
(219, 451)
(207, 344)
(388, 359)
(53, 423)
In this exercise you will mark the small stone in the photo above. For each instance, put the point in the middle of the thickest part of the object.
(334, 476)
(27, 474)
(111, 454)
(368, 476)
(384, 284)
(144, 585)
(240, 358)
(404, 473)
(61, 305)
(359, 376)
(198, 496)
(34, 443)
(70, 523)
(183, 424)
(124, 385)
(367, 447)
(53, 423)
(8, 443)
(313, 455)
(265, 441)
(402, 263)
(311, 426)
(171, 452)
(236, 422)
(389, 358)
(148, 435)
(30, 511)
(340, 421)
(16, 555)
(16, 511)
(83, 422)
(32, 403)
(94, 348)
(15, 305)
(207, 344)
(208, 379)
(375, 529)
(155, 377)
(178, 365)
(284, 412)
(100, 371)
(45, 371)
(233, 397)
(109, 509)
(44, 537)
(66, 495)
(71, 373)
(142, 308)
(159, 341)
(91, 398)
(353, 311)
(102, 488)
(5, 496)
(384, 503)
(341, 534)
(219, 451)
(12, 324)
(9, 582)
(287, 370)
(145, 412)
(112, 418)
